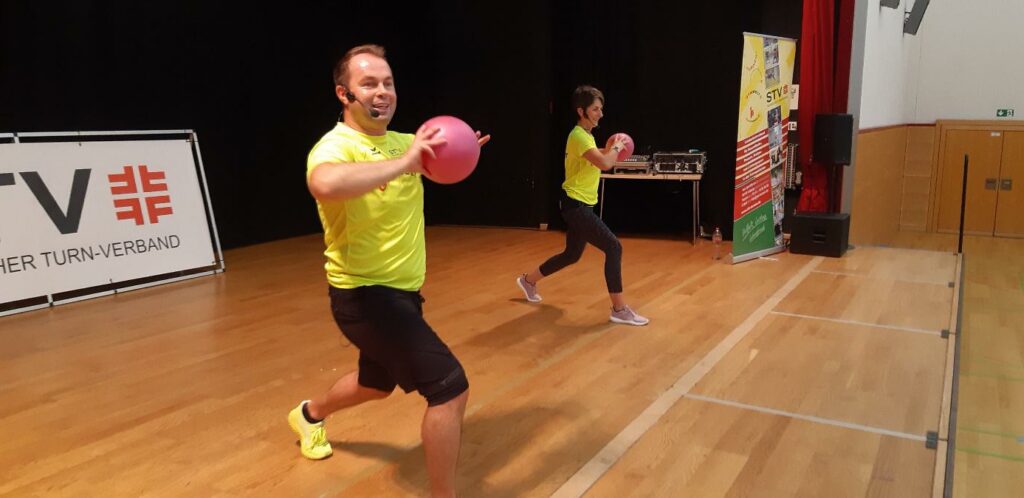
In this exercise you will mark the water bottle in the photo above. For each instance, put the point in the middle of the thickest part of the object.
(716, 238)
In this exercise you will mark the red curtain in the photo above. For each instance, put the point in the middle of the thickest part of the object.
(844, 44)
(824, 88)
(816, 96)
(840, 99)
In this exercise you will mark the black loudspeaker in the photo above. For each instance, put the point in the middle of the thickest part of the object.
(789, 201)
(833, 138)
(820, 234)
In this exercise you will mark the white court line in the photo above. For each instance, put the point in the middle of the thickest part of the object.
(584, 478)
(863, 324)
(808, 418)
(944, 283)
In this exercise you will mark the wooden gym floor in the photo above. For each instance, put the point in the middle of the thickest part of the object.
(786, 376)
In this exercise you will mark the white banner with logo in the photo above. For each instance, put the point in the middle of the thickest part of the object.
(78, 215)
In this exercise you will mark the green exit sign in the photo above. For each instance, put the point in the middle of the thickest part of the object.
(1004, 113)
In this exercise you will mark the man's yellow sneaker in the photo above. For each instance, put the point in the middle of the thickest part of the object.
(312, 437)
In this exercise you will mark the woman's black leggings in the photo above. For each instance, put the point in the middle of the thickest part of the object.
(584, 227)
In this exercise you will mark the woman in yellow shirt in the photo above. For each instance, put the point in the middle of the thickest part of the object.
(584, 162)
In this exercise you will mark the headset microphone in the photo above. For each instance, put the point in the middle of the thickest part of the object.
(374, 113)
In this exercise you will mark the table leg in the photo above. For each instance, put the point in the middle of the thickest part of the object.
(693, 238)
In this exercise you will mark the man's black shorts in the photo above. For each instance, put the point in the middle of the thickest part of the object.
(396, 346)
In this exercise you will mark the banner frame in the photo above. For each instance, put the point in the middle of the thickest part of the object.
(761, 143)
(57, 298)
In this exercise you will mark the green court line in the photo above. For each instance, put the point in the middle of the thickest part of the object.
(990, 361)
(975, 451)
(991, 376)
(1019, 438)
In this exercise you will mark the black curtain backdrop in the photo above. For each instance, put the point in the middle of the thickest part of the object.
(255, 84)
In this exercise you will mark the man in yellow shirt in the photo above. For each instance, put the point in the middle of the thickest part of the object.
(584, 163)
(369, 195)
